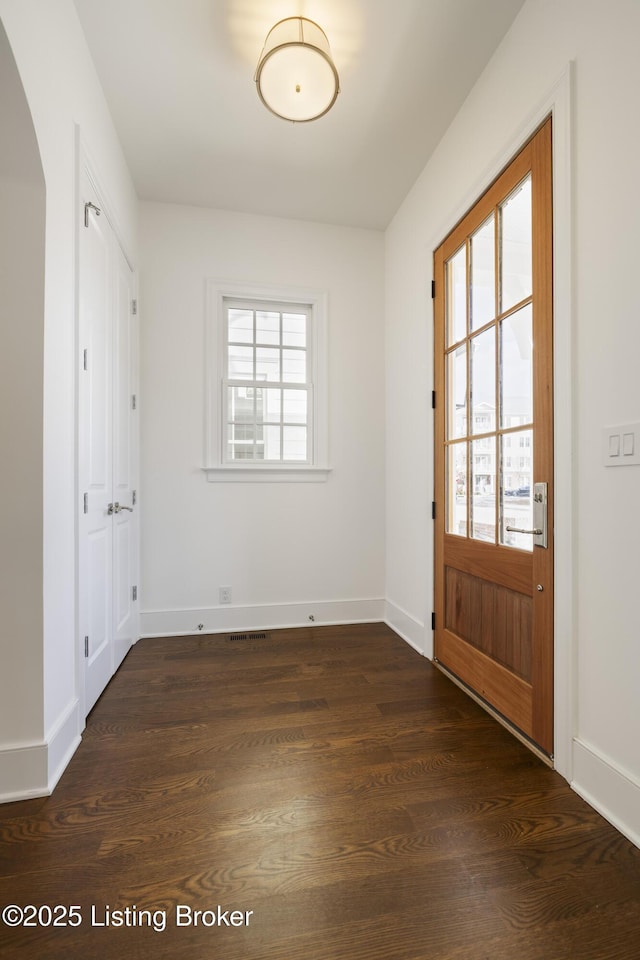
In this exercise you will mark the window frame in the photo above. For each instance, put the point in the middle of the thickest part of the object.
(255, 382)
(217, 468)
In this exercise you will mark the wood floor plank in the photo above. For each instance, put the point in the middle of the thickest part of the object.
(334, 783)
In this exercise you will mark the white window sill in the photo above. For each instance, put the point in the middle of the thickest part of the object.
(276, 473)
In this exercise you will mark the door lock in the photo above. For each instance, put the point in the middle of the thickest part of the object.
(539, 531)
(540, 514)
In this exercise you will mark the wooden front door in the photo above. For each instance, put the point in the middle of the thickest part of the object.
(494, 445)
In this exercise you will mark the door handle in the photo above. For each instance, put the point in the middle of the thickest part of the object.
(119, 507)
(539, 530)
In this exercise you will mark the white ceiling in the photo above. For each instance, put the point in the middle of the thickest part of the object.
(178, 77)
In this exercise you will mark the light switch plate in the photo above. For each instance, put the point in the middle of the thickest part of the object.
(628, 444)
(621, 445)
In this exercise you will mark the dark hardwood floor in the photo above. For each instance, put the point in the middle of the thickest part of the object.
(334, 783)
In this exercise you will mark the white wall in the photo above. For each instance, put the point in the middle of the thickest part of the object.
(22, 225)
(62, 90)
(278, 545)
(602, 38)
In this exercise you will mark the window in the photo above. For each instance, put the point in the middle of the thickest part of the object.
(267, 397)
(266, 372)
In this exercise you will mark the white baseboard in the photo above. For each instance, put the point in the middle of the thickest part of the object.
(63, 740)
(610, 790)
(269, 616)
(23, 772)
(29, 770)
(406, 626)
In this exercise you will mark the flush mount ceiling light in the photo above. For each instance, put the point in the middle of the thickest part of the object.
(296, 77)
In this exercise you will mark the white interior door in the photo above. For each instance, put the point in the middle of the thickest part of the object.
(95, 448)
(107, 460)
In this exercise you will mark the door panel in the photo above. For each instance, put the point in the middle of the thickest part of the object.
(122, 592)
(494, 441)
(98, 620)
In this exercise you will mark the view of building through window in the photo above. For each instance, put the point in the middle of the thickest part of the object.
(489, 377)
(267, 389)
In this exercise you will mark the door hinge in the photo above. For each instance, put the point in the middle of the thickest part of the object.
(433, 289)
(90, 206)
(86, 646)
(85, 503)
(433, 509)
(134, 308)
(134, 498)
(85, 361)
(133, 401)
(433, 621)
(433, 399)
(134, 593)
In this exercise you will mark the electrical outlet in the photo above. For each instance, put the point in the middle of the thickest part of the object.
(224, 594)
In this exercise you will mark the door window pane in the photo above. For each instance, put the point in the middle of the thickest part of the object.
(457, 489)
(483, 478)
(457, 296)
(516, 368)
(457, 393)
(483, 284)
(516, 507)
(515, 246)
(483, 382)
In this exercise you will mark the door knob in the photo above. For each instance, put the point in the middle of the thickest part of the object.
(119, 507)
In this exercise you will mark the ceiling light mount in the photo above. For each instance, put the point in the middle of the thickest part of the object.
(296, 77)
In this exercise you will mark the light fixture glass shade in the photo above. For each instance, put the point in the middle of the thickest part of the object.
(296, 77)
